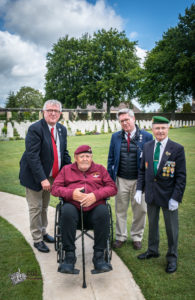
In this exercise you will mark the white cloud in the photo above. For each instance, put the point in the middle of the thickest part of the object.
(133, 35)
(21, 64)
(141, 53)
(45, 21)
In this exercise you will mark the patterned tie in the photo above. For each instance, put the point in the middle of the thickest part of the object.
(128, 141)
(55, 168)
(156, 157)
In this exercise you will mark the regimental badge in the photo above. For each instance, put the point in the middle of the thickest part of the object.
(167, 153)
(146, 165)
(96, 175)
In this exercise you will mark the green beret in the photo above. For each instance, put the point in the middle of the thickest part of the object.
(159, 120)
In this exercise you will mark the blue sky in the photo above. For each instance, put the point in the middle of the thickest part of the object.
(29, 28)
(148, 19)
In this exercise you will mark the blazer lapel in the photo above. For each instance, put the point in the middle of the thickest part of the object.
(150, 156)
(47, 134)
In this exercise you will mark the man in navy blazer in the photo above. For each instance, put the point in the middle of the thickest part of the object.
(37, 165)
(163, 178)
(124, 158)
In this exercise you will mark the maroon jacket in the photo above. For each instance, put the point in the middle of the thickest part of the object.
(96, 180)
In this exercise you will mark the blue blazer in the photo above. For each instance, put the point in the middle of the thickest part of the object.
(37, 160)
(142, 137)
(170, 179)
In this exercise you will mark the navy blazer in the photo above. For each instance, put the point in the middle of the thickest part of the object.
(170, 179)
(37, 160)
(141, 137)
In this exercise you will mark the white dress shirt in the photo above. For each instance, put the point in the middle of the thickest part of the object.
(131, 133)
(162, 148)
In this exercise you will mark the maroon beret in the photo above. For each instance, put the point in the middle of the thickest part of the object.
(82, 149)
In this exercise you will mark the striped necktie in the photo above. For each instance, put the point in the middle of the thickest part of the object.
(156, 157)
(55, 168)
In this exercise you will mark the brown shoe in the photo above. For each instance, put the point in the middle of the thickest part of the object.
(118, 244)
(137, 245)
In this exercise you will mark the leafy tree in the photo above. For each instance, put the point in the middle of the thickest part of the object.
(94, 70)
(168, 77)
(113, 70)
(67, 70)
(26, 97)
(187, 108)
(11, 100)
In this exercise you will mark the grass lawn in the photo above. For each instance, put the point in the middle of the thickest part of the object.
(150, 275)
(16, 253)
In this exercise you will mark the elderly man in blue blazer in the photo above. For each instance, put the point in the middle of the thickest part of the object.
(124, 158)
(46, 153)
(163, 178)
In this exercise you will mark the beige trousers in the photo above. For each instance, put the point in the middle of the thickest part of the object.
(126, 192)
(38, 205)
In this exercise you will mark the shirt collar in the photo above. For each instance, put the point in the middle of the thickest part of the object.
(163, 142)
(50, 127)
(131, 133)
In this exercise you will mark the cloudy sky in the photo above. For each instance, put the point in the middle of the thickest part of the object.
(29, 28)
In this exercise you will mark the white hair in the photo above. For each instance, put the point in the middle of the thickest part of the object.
(125, 111)
(54, 103)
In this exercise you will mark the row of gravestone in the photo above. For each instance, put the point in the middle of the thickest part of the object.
(83, 127)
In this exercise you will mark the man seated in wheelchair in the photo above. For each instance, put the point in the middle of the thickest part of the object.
(85, 184)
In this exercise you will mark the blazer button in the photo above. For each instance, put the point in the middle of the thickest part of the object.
(155, 179)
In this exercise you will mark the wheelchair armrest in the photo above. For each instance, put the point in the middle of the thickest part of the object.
(61, 199)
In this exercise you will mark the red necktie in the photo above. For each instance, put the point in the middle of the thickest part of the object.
(128, 141)
(55, 168)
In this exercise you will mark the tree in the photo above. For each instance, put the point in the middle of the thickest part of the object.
(11, 100)
(26, 97)
(168, 77)
(187, 108)
(94, 70)
(67, 69)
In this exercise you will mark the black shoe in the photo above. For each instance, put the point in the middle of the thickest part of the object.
(171, 267)
(99, 262)
(41, 247)
(137, 245)
(68, 264)
(48, 238)
(118, 244)
(147, 255)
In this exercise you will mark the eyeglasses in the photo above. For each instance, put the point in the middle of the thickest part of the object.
(124, 121)
(50, 111)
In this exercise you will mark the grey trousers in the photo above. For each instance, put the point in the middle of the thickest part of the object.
(126, 193)
(38, 205)
(171, 225)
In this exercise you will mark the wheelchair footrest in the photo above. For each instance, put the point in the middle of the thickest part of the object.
(94, 271)
(75, 271)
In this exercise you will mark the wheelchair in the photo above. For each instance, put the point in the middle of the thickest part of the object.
(84, 231)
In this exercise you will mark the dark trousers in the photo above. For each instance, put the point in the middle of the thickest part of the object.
(171, 225)
(96, 219)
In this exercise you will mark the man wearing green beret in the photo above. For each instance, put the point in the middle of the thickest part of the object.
(163, 178)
